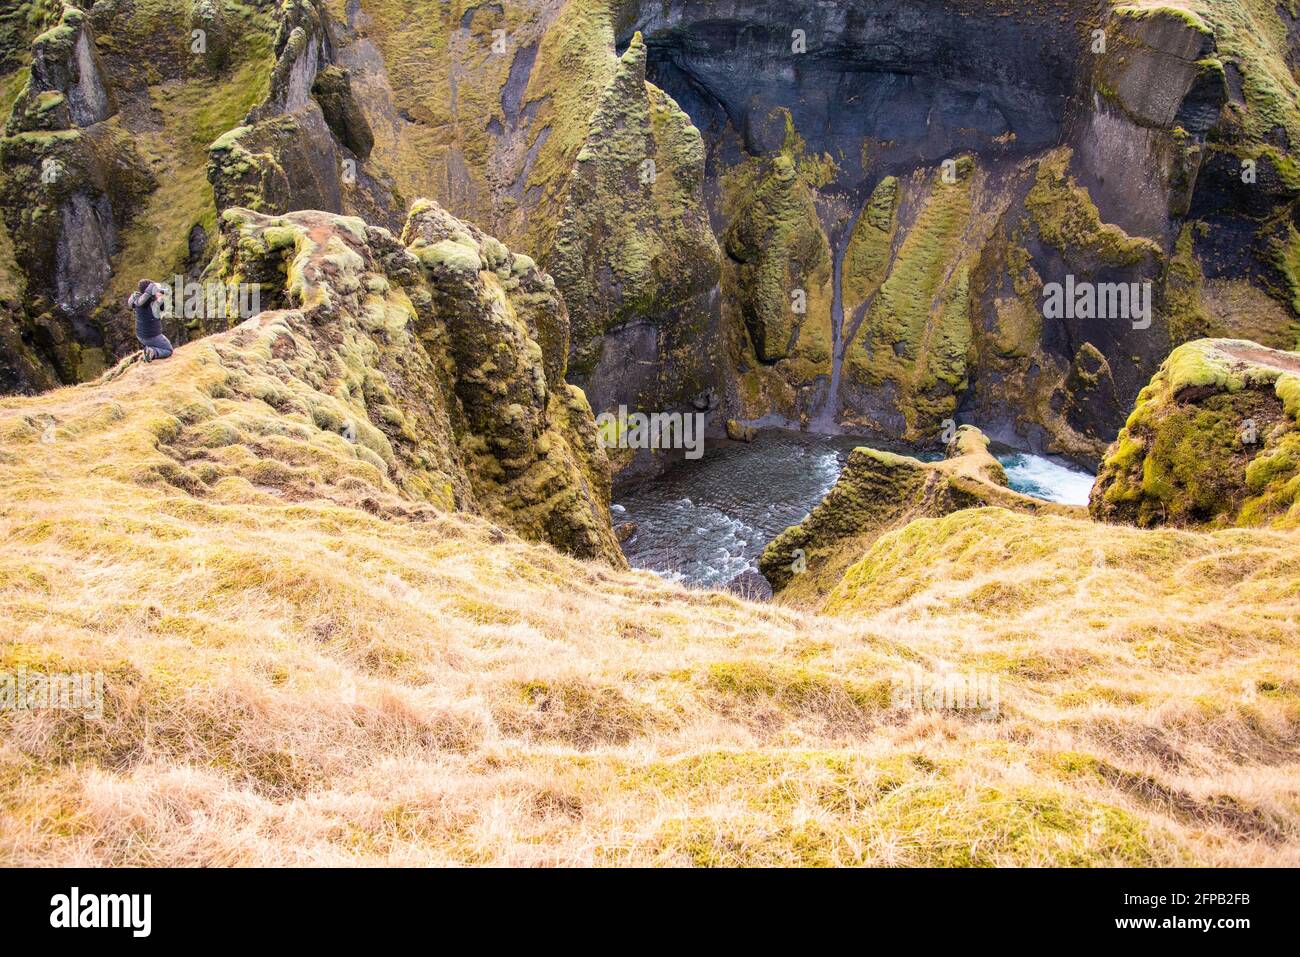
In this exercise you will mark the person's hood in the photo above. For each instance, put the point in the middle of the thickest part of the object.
(138, 297)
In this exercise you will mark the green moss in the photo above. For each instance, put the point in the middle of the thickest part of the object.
(20, 22)
(634, 240)
(1067, 218)
(1252, 35)
(1212, 440)
(932, 823)
(1286, 257)
(784, 261)
(866, 260)
(449, 254)
(63, 34)
(1018, 318)
(1190, 19)
(12, 86)
(917, 333)
(280, 237)
(1186, 314)
(816, 171)
(574, 66)
(803, 689)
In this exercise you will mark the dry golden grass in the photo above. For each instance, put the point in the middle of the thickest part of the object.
(294, 680)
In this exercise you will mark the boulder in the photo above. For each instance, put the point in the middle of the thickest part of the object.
(1214, 440)
(739, 432)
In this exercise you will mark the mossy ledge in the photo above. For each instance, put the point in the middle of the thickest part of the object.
(879, 491)
(434, 363)
(1213, 440)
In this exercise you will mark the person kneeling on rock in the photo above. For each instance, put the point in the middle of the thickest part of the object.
(147, 302)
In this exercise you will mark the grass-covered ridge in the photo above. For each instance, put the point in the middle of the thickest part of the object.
(304, 664)
(1251, 35)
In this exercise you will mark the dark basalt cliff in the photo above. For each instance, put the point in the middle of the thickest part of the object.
(837, 215)
(1103, 144)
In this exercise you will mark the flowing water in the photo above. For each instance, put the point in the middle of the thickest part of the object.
(826, 419)
(1043, 478)
(706, 522)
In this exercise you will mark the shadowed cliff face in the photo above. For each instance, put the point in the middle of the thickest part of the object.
(915, 80)
(900, 183)
(848, 98)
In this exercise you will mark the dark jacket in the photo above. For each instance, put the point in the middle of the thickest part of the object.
(147, 322)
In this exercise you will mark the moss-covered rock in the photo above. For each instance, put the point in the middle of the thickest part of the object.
(24, 368)
(1214, 440)
(879, 491)
(1062, 379)
(1088, 398)
(211, 32)
(333, 91)
(778, 281)
(67, 85)
(779, 244)
(634, 248)
(66, 196)
(430, 364)
(307, 144)
(1066, 217)
(20, 22)
(867, 258)
(908, 362)
(1157, 58)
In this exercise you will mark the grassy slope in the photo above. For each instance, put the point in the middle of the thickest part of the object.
(292, 678)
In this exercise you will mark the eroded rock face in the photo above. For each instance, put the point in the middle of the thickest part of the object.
(1160, 73)
(1214, 440)
(305, 145)
(333, 91)
(21, 367)
(71, 182)
(916, 80)
(66, 196)
(634, 252)
(67, 86)
(777, 289)
(936, 310)
(428, 354)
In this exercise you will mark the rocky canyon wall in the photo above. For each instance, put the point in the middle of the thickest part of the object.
(848, 215)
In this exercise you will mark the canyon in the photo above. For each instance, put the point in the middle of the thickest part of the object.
(835, 216)
(352, 562)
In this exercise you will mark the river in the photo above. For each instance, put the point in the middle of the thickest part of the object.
(705, 523)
